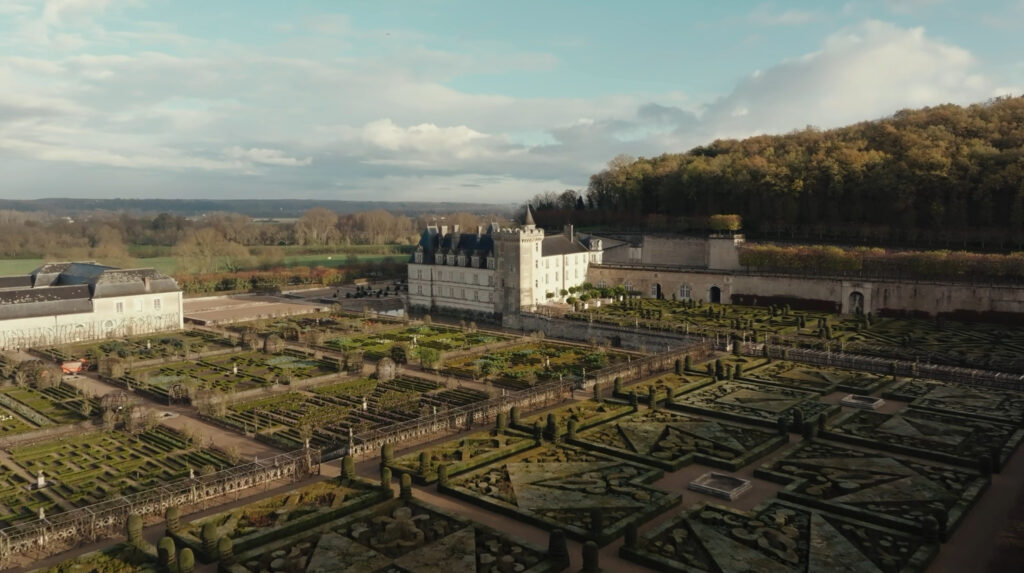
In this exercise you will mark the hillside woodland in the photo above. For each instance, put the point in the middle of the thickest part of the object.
(944, 176)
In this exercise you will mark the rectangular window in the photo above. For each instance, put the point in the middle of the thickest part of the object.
(119, 307)
(156, 304)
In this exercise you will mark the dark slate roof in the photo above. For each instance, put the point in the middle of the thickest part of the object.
(103, 281)
(19, 281)
(30, 295)
(47, 301)
(560, 245)
(126, 282)
(432, 243)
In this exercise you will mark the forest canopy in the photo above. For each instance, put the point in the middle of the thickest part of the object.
(920, 173)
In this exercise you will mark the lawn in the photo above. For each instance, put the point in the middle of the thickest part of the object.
(169, 264)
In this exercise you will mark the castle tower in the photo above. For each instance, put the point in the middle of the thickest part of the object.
(517, 253)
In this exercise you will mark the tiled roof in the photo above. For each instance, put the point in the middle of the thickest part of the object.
(560, 245)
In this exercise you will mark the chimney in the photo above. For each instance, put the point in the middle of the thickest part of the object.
(455, 228)
(479, 230)
(569, 232)
(444, 230)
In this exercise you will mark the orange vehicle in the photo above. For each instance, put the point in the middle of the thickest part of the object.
(74, 366)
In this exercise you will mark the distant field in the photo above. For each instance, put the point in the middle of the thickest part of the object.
(169, 265)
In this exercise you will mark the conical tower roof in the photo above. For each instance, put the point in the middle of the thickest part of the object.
(529, 216)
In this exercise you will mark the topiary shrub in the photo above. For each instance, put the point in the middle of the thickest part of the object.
(590, 558)
(186, 561)
(405, 486)
(166, 553)
(558, 550)
(387, 453)
(225, 549)
(173, 518)
(134, 527)
(348, 468)
(209, 536)
(385, 477)
(551, 428)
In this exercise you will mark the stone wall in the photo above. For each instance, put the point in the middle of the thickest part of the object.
(878, 296)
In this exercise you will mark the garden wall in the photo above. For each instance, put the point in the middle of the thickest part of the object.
(954, 299)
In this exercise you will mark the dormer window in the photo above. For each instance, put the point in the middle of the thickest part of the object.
(490, 262)
(462, 260)
(419, 258)
(476, 262)
(451, 259)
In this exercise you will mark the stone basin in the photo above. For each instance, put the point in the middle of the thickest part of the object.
(862, 402)
(720, 485)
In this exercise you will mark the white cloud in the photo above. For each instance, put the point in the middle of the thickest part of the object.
(216, 116)
(266, 157)
(766, 15)
(423, 137)
(864, 72)
(61, 11)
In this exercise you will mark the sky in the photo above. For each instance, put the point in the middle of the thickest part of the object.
(454, 100)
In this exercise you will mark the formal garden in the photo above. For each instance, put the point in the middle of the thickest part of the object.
(329, 414)
(227, 373)
(312, 327)
(954, 438)
(961, 400)
(942, 341)
(864, 490)
(262, 522)
(526, 365)
(397, 535)
(670, 440)
(441, 338)
(589, 495)
(140, 348)
(776, 537)
(88, 468)
(23, 409)
(888, 489)
(761, 404)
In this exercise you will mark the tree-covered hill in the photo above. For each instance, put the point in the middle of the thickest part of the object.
(940, 175)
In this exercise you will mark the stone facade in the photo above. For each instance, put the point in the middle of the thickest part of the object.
(72, 302)
(498, 271)
(836, 294)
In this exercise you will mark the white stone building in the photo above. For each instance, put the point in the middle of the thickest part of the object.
(61, 303)
(499, 271)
